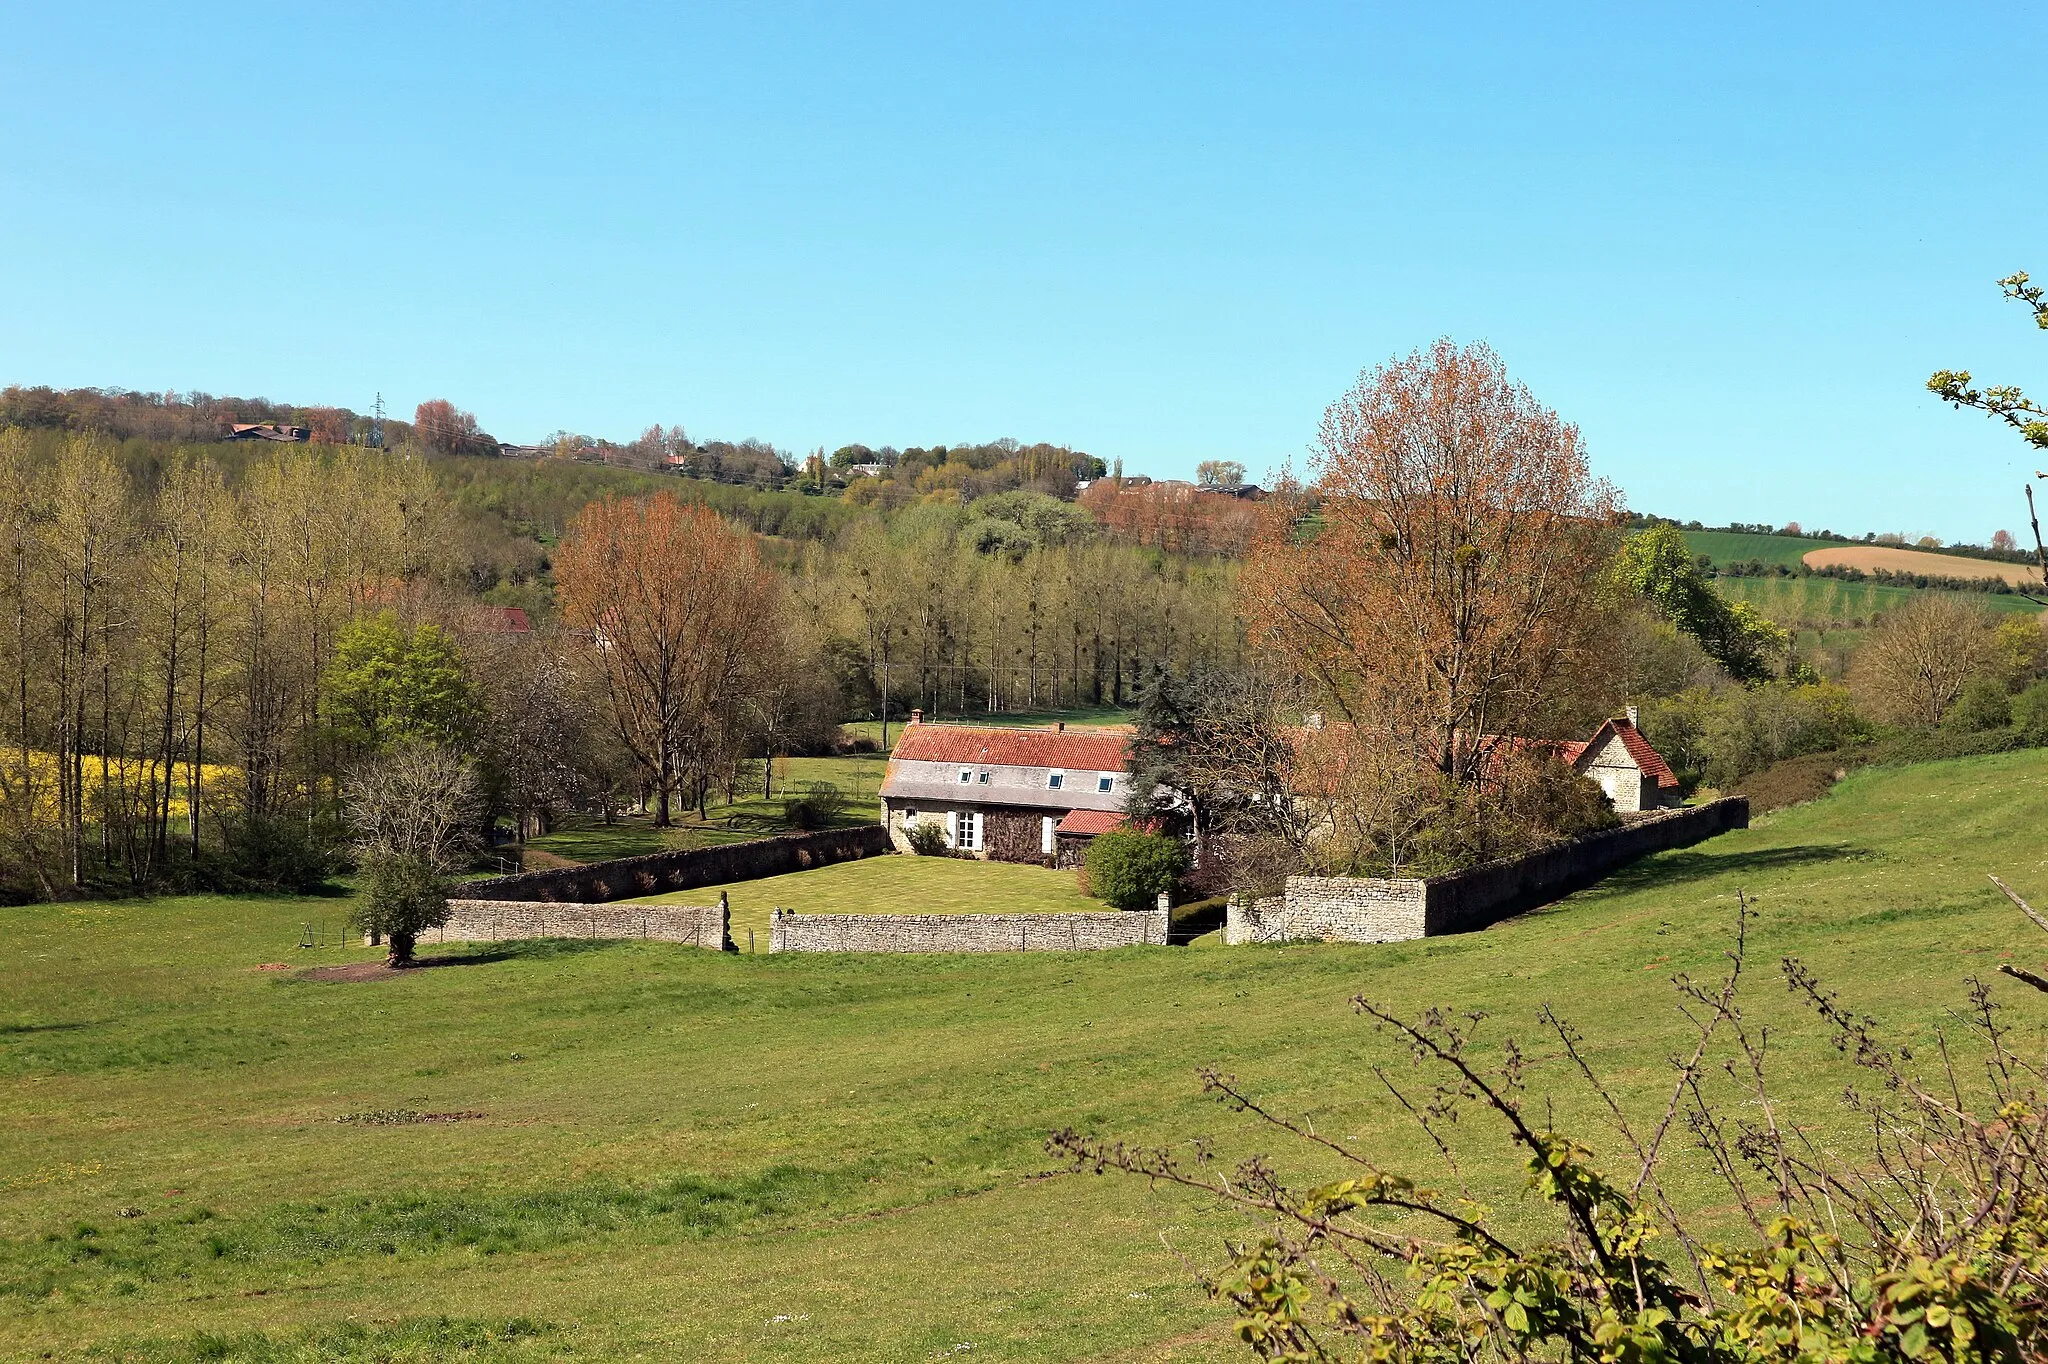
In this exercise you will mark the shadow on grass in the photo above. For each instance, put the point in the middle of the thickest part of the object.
(22, 1029)
(521, 949)
(1688, 865)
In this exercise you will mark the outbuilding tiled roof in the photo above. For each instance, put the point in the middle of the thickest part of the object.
(1647, 758)
(1080, 750)
(1091, 822)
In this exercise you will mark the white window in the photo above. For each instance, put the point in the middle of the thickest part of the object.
(909, 817)
(1055, 781)
(963, 830)
(1045, 828)
(1103, 783)
(966, 775)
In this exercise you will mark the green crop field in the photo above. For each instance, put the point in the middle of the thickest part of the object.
(1829, 601)
(649, 1152)
(1728, 547)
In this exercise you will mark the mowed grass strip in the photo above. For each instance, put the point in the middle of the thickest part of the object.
(894, 883)
(687, 1154)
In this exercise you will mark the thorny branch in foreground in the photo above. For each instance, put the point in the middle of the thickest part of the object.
(1932, 1246)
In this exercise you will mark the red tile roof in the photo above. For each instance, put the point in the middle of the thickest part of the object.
(1085, 750)
(1090, 822)
(503, 620)
(1647, 758)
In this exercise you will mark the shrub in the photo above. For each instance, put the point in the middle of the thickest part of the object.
(1792, 782)
(1983, 705)
(1131, 870)
(818, 807)
(927, 840)
(2030, 713)
(277, 852)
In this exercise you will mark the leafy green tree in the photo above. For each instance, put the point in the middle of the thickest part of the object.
(1657, 565)
(1131, 869)
(387, 687)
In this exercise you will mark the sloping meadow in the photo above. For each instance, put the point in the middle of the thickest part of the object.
(616, 1149)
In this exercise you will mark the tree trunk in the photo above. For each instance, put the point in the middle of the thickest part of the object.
(401, 949)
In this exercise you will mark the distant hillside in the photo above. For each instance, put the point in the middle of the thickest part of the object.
(1771, 573)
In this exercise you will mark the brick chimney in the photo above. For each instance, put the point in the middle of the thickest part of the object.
(917, 717)
(1059, 726)
(1631, 717)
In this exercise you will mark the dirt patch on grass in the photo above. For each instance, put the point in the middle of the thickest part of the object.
(1872, 557)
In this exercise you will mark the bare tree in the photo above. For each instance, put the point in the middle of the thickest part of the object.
(1917, 657)
(675, 602)
(414, 812)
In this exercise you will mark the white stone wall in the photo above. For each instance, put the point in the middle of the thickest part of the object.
(790, 931)
(1626, 784)
(500, 920)
(1331, 909)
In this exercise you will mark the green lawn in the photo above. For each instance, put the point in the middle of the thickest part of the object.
(679, 1154)
(893, 884)
(585, 838)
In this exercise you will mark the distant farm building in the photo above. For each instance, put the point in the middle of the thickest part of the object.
(1006, 794)
(269, 431)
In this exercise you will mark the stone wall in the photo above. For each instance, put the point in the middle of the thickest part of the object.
(623, 878)
(1364, 909)
(1494, 891)
(1332, 909)
(792, 932)
(498, 920)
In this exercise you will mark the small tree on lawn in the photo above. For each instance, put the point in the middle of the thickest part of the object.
(1131, 870)
(414, 814)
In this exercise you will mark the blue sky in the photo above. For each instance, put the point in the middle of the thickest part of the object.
(1729, 242)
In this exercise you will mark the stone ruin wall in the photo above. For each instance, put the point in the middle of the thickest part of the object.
(499, 920)
(790, 931)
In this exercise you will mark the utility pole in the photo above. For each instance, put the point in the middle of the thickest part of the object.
(377, 424)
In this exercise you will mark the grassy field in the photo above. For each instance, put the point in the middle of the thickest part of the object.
(1728, 547)
(654, 1152)
(1829, 601)
(582, 838)
(893, 885)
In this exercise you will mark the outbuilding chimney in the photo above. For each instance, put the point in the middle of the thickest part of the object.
(1631, 717)
(917, 717)
(1059, 726)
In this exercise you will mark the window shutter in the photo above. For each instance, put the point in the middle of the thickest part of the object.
(953, 828)
(977, 831)
(1045, 833)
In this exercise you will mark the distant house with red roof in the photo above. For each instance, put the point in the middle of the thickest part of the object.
(1632, 773)
(1040, 795)
(1006, 794)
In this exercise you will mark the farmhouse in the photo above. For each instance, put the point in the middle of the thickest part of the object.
(1010, 795)
(1632, 773)
(1040, 795)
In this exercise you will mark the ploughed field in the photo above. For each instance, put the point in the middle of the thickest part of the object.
(629, 1150)
(1890, 559)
